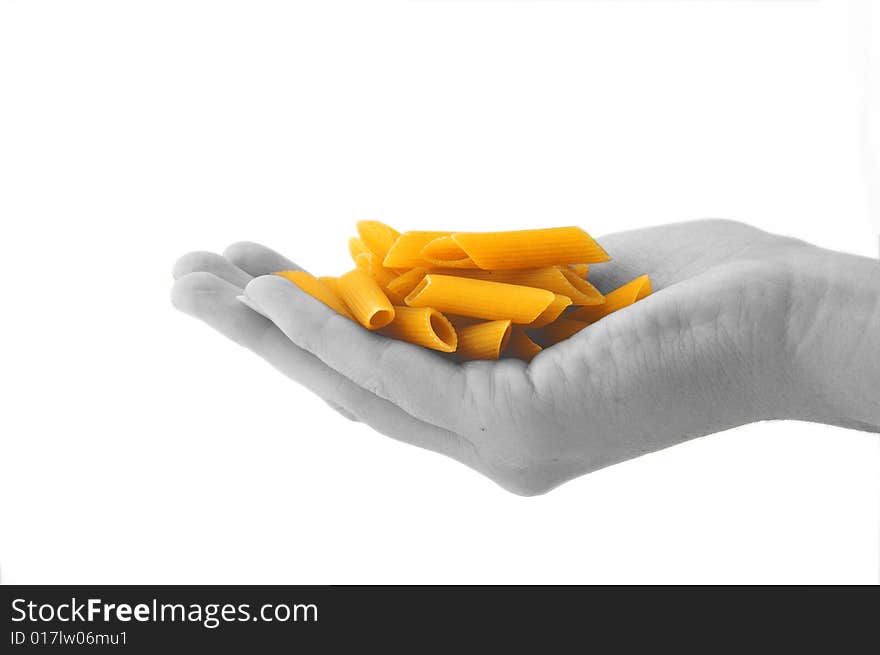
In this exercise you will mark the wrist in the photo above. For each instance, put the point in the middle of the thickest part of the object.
(834, 339)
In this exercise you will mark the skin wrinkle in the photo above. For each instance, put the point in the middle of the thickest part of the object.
(268, 339)
(529, 376)
(826, 378)
(668, 365)
(325, 326)
(680, 364)
(502, 392)
(517, 381)
(271, 330)
(808, 332)
(465, 452)
(374, 382)
(780, 375)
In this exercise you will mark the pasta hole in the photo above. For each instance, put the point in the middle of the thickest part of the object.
(381, 318)
(421, 286)
(444, 330)
(443, 249)
(505, 339)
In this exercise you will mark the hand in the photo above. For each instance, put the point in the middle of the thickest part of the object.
(743, 326)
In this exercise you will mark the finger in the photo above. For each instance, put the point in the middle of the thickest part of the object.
(258, 260)
(418, 380)
(213, 301)
(210, 262)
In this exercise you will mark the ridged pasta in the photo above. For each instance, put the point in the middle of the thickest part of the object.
(445, 252)
(318, 290)
(406, 249)
(365, 299)
(523, 248)
(483, 340)
(404, 283)
(581, 270)
(377, 237)
(480, 299)
(554, 309)
(586, 294)
(369, 262)
(557, 279)
(356, 247)
(520, 345)
(422, 326)
(479, 295)
(332, 282)
(623, 296)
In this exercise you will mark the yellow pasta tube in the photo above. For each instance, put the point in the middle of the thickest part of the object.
(557, 279)
(480, 299)
(581, 270)
(356, 247)
(422, 326)
(406, 249)
(520, 345)
(459, 322)
(332, 282)
(558, 330)
(586, 293)
(621, 297)
(377, 237)
(369, 262)
(403, 284)
(554, 309)
(524, 248)
(318, 290)
(365, 299)
(483, 340)
(445, 252)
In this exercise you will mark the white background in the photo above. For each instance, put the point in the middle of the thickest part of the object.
(138, 446)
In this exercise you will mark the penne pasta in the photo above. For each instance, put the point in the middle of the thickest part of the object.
(444, 251)
(369, 262)
(480, 295)
(586, 293)
(581, 270)
(317, 289)
(332, 282)
(377, 237)
(557, 279)
(403, 284)
(356, 247)
(520, 345)
(554, 309)
(558, 330)
(483, 340)
(623, 296)
(480, 298)
(422, 326)
(524, 248)
(365, 299)
(406, 249)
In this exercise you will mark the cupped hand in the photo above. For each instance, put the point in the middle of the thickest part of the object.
(742, 326)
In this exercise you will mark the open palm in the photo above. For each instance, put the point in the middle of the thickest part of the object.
(726, 339)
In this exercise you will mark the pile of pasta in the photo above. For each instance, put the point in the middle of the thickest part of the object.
(479, 295)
